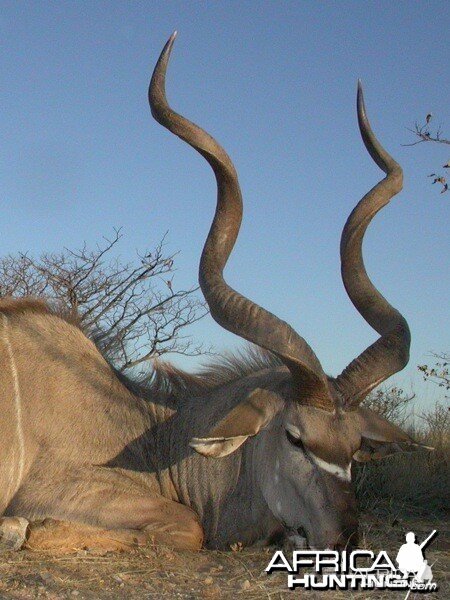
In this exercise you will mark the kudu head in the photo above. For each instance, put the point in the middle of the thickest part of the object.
(306, 431)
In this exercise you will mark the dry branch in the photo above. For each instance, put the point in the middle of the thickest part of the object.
(133, 310)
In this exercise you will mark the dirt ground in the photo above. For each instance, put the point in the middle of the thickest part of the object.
(153, 573)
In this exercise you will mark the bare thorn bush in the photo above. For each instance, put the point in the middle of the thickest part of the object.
(133, 310)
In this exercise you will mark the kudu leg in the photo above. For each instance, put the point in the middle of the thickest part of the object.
(106, 500)
(66, 536)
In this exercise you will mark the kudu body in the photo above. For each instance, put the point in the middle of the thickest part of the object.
(255, 447)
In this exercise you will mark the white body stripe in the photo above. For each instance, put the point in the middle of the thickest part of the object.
(17, 478)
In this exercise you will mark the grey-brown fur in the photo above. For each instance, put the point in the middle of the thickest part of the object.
(91, 431)
(86, 429)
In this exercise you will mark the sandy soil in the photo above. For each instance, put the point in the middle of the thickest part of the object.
(161, 573)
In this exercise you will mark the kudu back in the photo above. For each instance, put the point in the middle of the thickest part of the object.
(253, 447)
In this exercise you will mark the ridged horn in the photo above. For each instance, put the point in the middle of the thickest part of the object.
(390, 353)
(230, 309)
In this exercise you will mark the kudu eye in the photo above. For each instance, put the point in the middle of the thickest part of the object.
(295, 441)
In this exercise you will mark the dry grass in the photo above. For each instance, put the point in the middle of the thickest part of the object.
(413, 483)
(156, 573)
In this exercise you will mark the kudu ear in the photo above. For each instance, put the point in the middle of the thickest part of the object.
(380, 438)
(245, 420)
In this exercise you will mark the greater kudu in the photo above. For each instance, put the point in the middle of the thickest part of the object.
(253, 447)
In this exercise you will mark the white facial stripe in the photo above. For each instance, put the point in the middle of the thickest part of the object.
(337, 470)
(293, 430)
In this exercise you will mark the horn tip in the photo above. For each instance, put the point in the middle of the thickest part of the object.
(168, 45)
(170, 42)
(360, 101)
(360, 91)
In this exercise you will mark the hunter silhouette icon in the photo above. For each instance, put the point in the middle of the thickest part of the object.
(425, 574)
(410, 557)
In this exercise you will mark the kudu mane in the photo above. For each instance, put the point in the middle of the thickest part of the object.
(165, 381)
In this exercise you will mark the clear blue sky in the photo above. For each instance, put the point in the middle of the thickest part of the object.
(275, 82)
